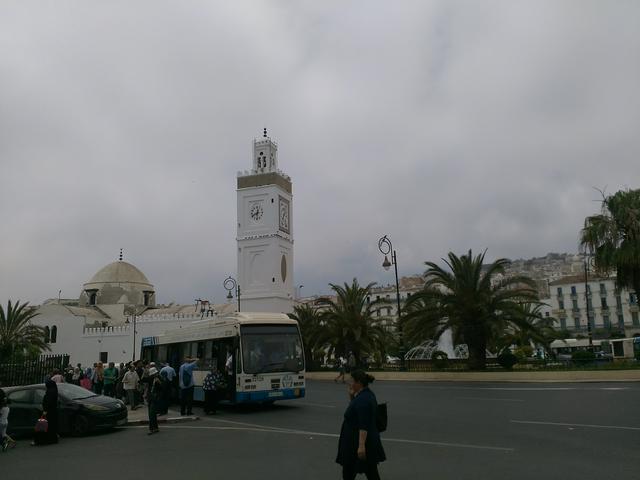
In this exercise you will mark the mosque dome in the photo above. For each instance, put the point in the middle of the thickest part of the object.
(118, 283)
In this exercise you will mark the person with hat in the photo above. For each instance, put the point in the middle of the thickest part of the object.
(155, 398)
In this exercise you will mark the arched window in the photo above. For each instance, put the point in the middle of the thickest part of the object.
(47, 336)
(92, 299)
(54, 334)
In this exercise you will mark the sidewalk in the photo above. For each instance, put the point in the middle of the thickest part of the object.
(140, 416)
(516, 376)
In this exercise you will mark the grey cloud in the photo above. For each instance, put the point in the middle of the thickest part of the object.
(446, 125)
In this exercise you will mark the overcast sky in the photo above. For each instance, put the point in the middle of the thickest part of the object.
(447, 125)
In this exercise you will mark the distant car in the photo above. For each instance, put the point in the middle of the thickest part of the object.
(392, 360)
(604, 355)
(81, 411)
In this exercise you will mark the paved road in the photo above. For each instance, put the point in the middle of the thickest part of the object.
(437, 431)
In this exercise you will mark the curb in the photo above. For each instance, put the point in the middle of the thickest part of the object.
(506, 377)
(165, 420)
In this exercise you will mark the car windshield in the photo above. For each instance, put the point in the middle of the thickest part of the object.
(271, 348)
(74, 392)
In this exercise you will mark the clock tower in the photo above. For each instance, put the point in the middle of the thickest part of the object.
(265, 233)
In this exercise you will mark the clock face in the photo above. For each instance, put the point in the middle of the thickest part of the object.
(256, 212)
(284, 214)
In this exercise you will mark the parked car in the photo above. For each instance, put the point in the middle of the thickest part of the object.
(81, 411)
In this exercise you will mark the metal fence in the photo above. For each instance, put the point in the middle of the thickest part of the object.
(26, 372)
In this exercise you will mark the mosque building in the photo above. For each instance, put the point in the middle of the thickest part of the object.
(117, 307)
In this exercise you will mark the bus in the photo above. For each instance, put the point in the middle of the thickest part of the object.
(261, 355)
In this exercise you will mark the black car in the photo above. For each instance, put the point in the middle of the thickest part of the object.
(80, 410)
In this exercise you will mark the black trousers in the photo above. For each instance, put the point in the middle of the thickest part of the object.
(186, 401)
(210, 401)
(153, 416)
(349, 472)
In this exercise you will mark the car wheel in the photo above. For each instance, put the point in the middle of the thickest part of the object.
(80, 425)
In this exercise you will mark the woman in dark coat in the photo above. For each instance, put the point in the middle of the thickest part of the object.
(359, 448)
(50, 412)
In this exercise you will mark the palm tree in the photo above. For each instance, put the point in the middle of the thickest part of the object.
(17, 334)
(350, 325)
(613, 237)
(309, 321)
(473, 302)
(539, 331)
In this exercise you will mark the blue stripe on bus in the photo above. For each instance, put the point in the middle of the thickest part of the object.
(259, 396)
(268, 395)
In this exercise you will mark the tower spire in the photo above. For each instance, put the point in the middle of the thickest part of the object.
(264, 134)
(120, 254)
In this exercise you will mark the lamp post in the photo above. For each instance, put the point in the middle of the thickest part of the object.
(133, 359)
(386, 248)
(588, 260)
(231, 285)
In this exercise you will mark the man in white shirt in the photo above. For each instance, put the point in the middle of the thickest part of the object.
(130, 384)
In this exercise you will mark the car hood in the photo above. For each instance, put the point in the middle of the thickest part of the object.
(101, 400)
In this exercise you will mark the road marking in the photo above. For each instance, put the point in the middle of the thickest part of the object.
(492, 399)
(584, 425)
(311, 404)
(242, 426)
(508, 389)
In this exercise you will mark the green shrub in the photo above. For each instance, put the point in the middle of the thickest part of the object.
(523, 352)
(507, 360)
(440, 359)
(582, 357)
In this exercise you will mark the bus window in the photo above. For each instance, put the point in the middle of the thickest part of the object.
(162, 353)
(271, 348)
(208, 358)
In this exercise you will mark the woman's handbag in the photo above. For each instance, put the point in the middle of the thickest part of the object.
(42, 425)
(381, 417)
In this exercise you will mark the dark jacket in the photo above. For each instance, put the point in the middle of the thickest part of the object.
(360, 415)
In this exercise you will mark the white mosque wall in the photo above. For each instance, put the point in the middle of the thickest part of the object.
(85, 344)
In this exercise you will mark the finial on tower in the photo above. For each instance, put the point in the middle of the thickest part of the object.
(265, 132)
(120, 254)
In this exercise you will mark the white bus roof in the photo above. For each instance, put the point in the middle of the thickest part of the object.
(574, 342)
(215, 328)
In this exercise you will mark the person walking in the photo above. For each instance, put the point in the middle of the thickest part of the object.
(56, 376)
(98, 378)
(359, 447)
(187, 385)
(110, 378)
(212, 385)
(169, 373)
(50, 412)
(130, 384)
(5, 440)
(342, 367)
(155, 396)
(77, 376)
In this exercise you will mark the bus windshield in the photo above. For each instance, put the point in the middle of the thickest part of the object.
(271, 348)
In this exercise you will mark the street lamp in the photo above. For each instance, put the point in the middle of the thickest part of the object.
(588, 260)
(386, 248)
(133, 359)
(300, 287)
(231, 285)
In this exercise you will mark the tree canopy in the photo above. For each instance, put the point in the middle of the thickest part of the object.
(613, 237)
(349, 322)
(475, 301)
(17, 334)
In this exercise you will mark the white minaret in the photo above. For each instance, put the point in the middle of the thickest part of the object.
(265, 233)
